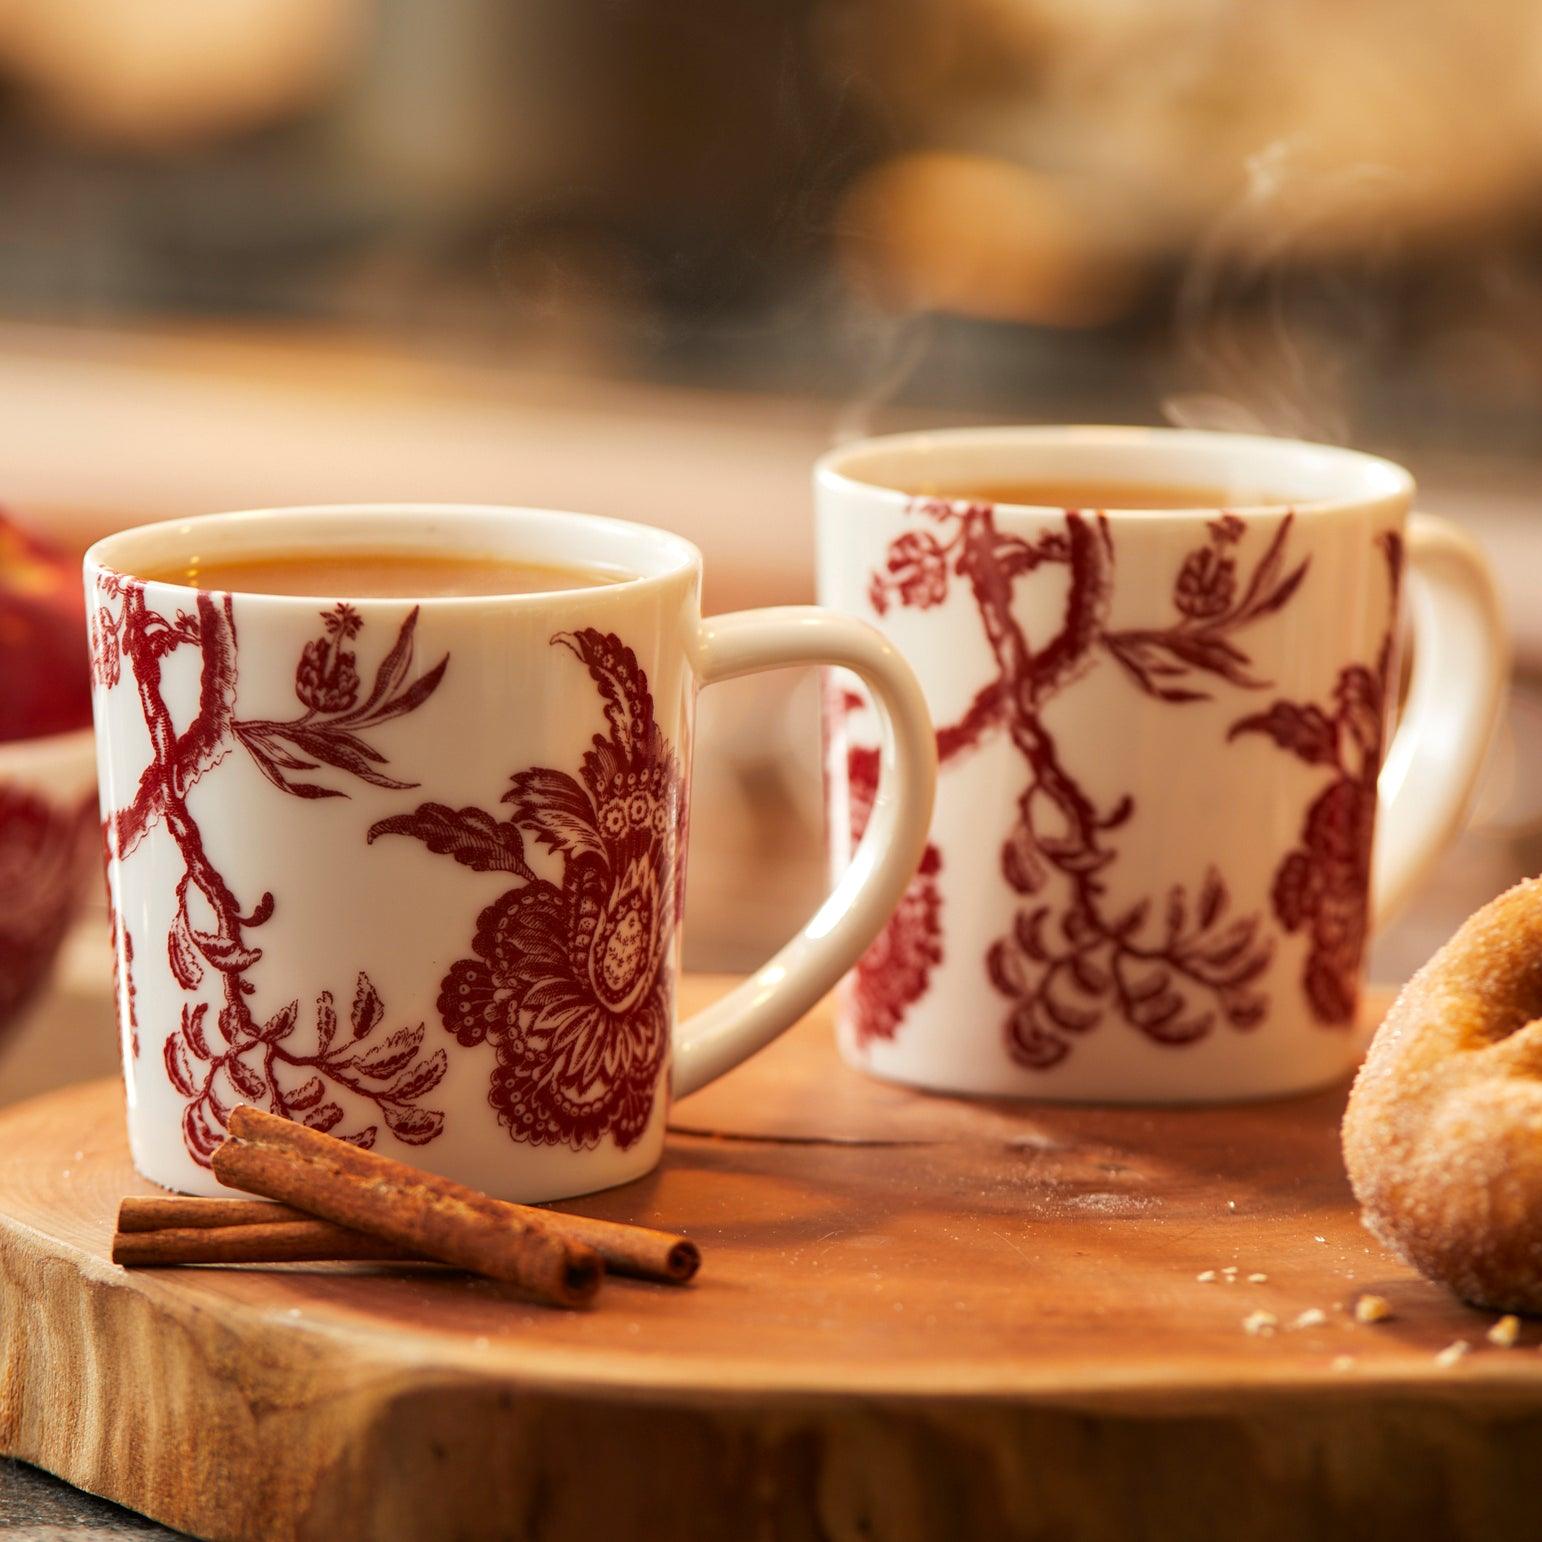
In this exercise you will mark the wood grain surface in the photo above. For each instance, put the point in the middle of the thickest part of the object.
(918, 1317)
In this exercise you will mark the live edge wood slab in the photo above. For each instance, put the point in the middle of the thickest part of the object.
(918, 1317)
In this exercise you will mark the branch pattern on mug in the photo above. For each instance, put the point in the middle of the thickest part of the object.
(1170, 965)
(571, 982)
(236, 1054)
(1322, 885)
(41, 845)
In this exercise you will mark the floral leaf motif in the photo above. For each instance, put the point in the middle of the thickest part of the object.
(198, 1134)
(1267, 592)
(181, 954)
(272, 760)
(326, 679)
(423, 1077)
(307, 1095)
(1212, 897)
(556, 810)
(1358, 702)
(475, 838)
(1206, 583)
(178, 1069)
(326, 1021)
(106, 653)
(1306, 731)
(327, 683)
(392, 1053)
(1144, 663)
(334, 746)
(896, 969)
(1295, 890)
(193, 1030)
(368, 1008)
(918, 569)
(282, 1023)
(327, 1117)
(1160, 660)
(415, 1126)
(1170, 965)
(1320, 887)
(1277, 598)
(395, 666)
(623, 686)
(247, 1081)
(225, 953)
(571, 982)
(253, 1058)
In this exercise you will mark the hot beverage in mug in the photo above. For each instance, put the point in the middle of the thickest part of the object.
(396, 842)
(1162, 667)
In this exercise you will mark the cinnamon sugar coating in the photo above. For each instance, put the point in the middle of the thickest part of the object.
(1443, 1133)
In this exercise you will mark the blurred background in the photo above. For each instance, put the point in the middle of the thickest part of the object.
(649, 257)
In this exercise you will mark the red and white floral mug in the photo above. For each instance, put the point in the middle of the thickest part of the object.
(1150, 874)
(413, 873)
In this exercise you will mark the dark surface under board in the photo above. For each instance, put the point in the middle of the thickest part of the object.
(35, 1507)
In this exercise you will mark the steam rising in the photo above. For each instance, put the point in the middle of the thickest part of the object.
(1283, 306)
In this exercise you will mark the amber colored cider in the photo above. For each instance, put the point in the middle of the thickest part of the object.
(1088, 494)
(378, 575)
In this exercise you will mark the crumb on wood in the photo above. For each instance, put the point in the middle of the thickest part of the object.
(1453, 1352)
(1505, 1332)
(1312, 1317)
(1372, 1309)
(1260, 1324)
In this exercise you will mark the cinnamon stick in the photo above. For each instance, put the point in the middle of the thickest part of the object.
(277, 1242)
(427, 1215)
(638, 1251)
(165, 1212)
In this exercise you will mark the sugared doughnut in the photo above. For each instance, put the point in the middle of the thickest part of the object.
(1443, 1134)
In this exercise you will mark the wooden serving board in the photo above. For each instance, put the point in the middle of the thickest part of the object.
(918, 1317)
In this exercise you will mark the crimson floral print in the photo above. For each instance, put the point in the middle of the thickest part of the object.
(1321, 887)
(125, 994)
(1171, 965)
(896, 969)
(570, 978)
(223, 1050)
(326, 679)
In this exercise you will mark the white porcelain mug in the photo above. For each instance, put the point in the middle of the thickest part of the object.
(413, 872)
(1150, 874)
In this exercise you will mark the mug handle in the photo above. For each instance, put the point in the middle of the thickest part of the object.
(1460, 662)
(717, 1038)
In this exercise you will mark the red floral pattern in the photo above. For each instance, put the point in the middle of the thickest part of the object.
(124, 992)
(571, 981)
(896, 969)
(327, 679)
(1322, 887)
(1169, 965)
(222, 1051)
(42, 846)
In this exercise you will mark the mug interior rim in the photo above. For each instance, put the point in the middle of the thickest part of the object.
(650, 556)
(1375, 478)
